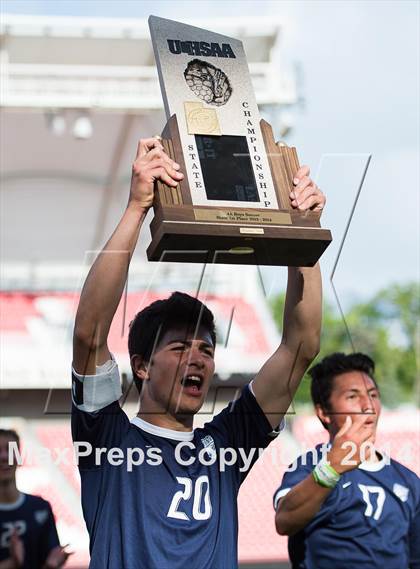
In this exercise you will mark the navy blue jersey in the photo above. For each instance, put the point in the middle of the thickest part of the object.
(32, 519)
(176, 509)
(370, 520)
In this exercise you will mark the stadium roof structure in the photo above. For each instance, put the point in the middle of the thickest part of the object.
(76, 96)
(108, 64)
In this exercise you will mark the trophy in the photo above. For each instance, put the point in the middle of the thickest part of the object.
(233, 204)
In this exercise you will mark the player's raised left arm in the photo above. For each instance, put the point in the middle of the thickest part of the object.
(279, 378)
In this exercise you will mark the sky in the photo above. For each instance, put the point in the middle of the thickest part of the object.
(358, 68)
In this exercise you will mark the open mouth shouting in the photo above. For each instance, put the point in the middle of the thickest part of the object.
(192, 384)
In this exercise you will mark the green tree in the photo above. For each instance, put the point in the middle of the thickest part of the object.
(385, 327)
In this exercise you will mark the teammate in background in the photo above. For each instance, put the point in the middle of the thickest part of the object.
(28, 536)
(354, 507)
(178, 508)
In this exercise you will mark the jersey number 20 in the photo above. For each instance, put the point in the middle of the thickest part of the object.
(201, 508)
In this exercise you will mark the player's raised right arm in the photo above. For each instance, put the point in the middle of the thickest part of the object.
(105, 282)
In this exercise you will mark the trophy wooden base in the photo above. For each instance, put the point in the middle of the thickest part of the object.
(279, 246)
(183, 232)
(195, 242)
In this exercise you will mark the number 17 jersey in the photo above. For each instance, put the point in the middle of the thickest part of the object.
(371, 520)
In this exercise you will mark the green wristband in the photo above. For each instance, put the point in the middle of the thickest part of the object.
(325, 475)
(317, 479)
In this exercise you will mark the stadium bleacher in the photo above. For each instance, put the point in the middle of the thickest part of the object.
(60, 437)
(39, 324)
(258, 540)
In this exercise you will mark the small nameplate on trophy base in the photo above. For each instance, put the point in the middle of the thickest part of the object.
(233, 204)
(243, 216)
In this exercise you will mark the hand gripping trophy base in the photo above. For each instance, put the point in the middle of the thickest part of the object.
(183, 232)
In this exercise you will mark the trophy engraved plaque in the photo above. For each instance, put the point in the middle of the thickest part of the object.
(233, 204)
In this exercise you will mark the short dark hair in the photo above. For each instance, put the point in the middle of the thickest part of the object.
(10, 433)
(151, 323)
(323, 374)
